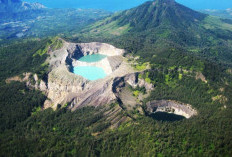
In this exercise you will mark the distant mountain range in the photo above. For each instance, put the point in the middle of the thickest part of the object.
(221, 13)
(14, 6)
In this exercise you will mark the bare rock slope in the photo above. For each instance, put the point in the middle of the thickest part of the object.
(65, 87)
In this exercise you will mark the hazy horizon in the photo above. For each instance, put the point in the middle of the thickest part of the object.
(116, 5)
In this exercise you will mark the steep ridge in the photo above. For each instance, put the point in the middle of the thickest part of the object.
(157, 26)
(157, 13)
(152, 15)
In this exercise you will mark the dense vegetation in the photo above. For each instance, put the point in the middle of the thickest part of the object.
(67, 133)
(17, 104)
(19, 57)
(175, 59)
(84, 132)
(17, 101)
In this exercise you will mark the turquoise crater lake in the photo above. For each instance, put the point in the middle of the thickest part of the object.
(90, 72)
(92, 58)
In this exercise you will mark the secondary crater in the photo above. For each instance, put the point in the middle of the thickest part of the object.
(169, 110)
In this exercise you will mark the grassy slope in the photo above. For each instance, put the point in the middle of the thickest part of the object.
(151, 28)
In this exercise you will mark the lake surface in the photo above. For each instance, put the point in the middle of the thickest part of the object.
(163, 116)
(89, 72)
(92, 58)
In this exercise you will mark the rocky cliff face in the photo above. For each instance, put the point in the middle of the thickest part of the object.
(170, 106)
(65, 87)
(99, 48)
(31, 80)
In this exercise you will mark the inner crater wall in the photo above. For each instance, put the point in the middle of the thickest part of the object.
(100, 48)
(65, 87)
(82, 49)
(109, 64)
(171, 106)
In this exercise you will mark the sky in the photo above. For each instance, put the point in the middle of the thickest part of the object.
(116, 5)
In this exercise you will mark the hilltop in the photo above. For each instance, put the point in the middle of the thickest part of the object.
(156, 26)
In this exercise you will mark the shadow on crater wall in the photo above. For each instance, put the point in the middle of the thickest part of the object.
(163, 116)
